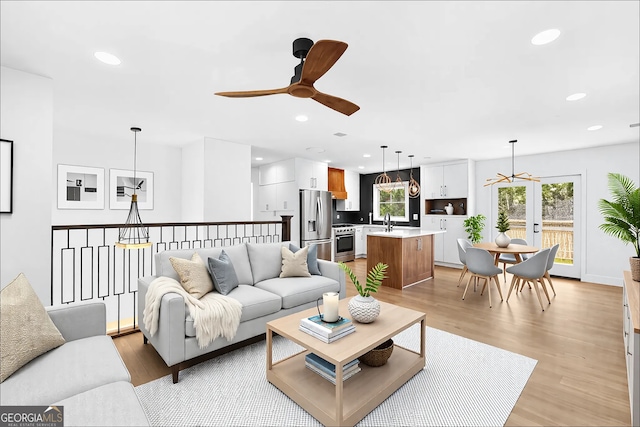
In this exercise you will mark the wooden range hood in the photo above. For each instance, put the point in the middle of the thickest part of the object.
(336, 184)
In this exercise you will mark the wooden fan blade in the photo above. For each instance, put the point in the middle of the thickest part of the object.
(340, 105)
(252, 93)
(321, 57)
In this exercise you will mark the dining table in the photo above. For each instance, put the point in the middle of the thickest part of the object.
(515, 249)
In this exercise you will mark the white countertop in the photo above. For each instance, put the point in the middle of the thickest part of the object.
(406, 233)
(382, 227)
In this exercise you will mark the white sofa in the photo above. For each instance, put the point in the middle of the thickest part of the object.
(263, 294)
(85, 375)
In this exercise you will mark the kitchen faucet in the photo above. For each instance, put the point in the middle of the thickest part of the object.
(387, 221)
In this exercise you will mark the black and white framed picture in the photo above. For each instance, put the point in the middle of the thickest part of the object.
(122, 185)
(80, 187)
(6, 176)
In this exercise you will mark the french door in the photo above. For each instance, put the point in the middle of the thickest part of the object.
(544, 213)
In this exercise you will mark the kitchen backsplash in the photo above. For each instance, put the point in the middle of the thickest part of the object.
(366, 202)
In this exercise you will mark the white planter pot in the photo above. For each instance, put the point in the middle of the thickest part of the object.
(364, 309)
(502, 240)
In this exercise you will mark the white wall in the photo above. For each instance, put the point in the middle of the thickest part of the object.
(193, 182)
(216, 181)
(26, 118)
(228, 181)
(604, 257)
(70, 148)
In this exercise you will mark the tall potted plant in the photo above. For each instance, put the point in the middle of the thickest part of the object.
(622, 216)
(473, 226)
(502, 240)
(363, 307)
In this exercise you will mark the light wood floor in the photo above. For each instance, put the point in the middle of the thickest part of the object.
(580, 378)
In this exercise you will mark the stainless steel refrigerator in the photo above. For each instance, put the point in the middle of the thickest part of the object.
(315, 221)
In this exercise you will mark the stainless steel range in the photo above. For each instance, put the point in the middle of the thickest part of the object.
(344, 242)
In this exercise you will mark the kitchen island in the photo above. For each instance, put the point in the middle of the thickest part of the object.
(408, 253)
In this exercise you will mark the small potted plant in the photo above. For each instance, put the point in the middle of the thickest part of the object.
(364, 308)
(622, 216)
(502, 240)
(474, 225)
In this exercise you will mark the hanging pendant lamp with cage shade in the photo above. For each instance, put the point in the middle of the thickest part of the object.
(133, 234)
(414, 187)
(383, 181)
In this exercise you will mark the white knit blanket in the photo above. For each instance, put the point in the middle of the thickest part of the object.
(214, 314)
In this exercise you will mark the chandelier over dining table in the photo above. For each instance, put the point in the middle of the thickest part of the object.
(526, 176)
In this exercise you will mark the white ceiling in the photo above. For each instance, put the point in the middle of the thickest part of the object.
(441, 80)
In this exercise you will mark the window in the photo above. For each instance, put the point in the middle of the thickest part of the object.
(396, 203)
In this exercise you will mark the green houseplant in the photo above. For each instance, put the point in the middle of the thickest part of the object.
(502, 240)
(473, 226)
(622, 215)
(363, 307)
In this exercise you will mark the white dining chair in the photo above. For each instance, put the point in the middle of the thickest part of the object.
(531, 271)
(550, 261)
(511, 258)
(480, 264)
(463, 244)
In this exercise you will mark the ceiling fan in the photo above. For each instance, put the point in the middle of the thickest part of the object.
(315, 60)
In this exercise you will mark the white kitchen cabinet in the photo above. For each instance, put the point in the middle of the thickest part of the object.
(267, 197)
(277, 172)
(311, 175)
(361, 244)
(445, 244)
(448, 181)
(365, 232)
(352, 186)
(282, 196)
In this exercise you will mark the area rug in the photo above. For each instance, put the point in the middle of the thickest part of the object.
(464, 383)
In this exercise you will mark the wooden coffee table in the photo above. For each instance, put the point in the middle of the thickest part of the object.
(345, 403)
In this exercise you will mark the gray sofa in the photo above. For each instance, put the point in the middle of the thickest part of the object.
(264, 296)
(86, 375)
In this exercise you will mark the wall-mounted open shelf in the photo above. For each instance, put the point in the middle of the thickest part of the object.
(436, 206)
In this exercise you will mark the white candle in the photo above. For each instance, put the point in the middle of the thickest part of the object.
(330, 301)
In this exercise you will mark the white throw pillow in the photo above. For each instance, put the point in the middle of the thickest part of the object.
(26, 330)
(294, 264)
(194, 275)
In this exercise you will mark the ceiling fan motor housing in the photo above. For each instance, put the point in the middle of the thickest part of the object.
(301, 47)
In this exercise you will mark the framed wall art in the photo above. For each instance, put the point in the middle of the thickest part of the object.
(80, 187)
(122, 185)
(6, 176)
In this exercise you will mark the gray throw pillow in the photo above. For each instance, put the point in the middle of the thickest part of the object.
(312, 258)
(223, 274)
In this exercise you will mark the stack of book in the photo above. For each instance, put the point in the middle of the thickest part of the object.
(325, 331)
(327, 370)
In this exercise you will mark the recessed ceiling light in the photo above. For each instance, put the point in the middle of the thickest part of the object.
(327, 161)
(576, 96)
(545, 37)
(107, 58)
(302, 118)
(340, 134)
(315, 149)
(259, 158)
(594, 127)
(366, 155)
(360, 167)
